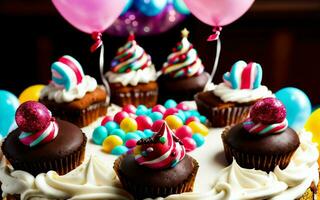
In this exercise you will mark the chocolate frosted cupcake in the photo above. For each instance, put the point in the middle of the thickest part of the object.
(133, 76)
(73, 96)
(183, 74)
(229, 102)
(41, 143)
(159, 167)
(264, 140)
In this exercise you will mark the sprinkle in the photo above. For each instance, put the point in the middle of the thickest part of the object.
(162, 140)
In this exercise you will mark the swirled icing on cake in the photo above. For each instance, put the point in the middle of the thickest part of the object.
(184, 60)
(130, 57)
(163, 150)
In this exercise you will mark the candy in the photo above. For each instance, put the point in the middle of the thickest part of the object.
(183, 106)
(199, 139)
(144, 122)
(189, 144)
(155, 116)
(119, 116)
(183, 131)
(119, 150)
(131, 143)
(111, 142)
(132, 135)
(191, 119)
(111, 125)
(99, 135)
(170, 103)
(194, 113)
(32, 116)
(129, 124)
(174, 122)
(157, 125)
(148, 133)
(129, 108)
(119, 133)
(181, 115)
(142, 110)
(170, 111)
(141, 134)
(106, 119)
(159, 108)
(203, 119)
(198, 128)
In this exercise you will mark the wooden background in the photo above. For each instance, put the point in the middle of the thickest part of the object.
(281, 35)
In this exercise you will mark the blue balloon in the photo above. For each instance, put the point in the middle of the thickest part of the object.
(8, 106)
(181, 7)
(127, 6)
(151, 7)
(297, 104)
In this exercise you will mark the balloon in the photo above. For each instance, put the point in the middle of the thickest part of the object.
(181, 7)
(313, 125)
(297, 104)
(151, 7)
(8, 106)
(31, 93)
(90, 15)
(127, 6)
(218, 12)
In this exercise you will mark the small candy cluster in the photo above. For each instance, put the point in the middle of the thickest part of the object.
(120, 133)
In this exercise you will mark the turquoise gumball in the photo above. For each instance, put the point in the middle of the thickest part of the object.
(148, 133)
(151, 8)
(119, 150)
(142, 110)
(187, 114)
(99, 135)
(195, 113)
(140, 133)
(111, 125)
(118, 132)
(170, 103)
(203, 119)
(181, 7)
(155, 116)
(131, 135)
(297, 104)
(8, 106)
(181, 115)
(199, 139)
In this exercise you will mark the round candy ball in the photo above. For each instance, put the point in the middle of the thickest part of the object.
(144, 122)
(203, 119)
(170, 111)
(142, 110)
(189, 144)
(119, 116)
(183, 106)
(268, 111)
(148, 133)
(132, 135)
(129, 124)
(159, 108)
(119, 150)
(106, 119)
(157, 125)
(111, 125)
(119, 133)
(174, 122)
(99, 135)
(199, 139)
(155, 116)
(170, 103)
(129, 108)
(197, 127)
(181, 115)
(111, 142)
(141, 134)
(131, 143)
(32, 117)
(183, 131)
(191, 119)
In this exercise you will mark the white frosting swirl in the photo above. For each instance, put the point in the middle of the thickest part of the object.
(61, 95)
(133, 77)
(228, 94)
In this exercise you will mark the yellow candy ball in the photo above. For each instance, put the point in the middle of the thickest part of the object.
(174, 122)
(111, 142)
(313, 125)
(31, 93)
(128, 125)
(197, 127)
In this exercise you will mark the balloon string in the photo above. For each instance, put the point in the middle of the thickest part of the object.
(104, 80)
(216, 33)
(216, 62)
(97, 37)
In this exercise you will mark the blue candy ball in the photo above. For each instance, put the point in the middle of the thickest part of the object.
(111, 125)
(142, 110)
(119, 150)
(118, 132)
(148, 133)
(170, 103)
(99, 135)
(140, 133)
(151, 8)
(187, 114)
(156, 116)
(131, 135)
(199, 139)
(195, 113)
(181, 115)
(203, 119)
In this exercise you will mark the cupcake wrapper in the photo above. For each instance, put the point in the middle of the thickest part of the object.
(90, 114)
(149, 191)
(61, 166)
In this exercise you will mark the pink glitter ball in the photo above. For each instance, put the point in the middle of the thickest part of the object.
(268, 111)
(32, 117)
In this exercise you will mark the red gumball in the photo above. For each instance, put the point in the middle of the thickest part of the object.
(106, 119)
(183, 131)
(183, 106)
(131, 143)
(189, 144)
(159, 108)
(144, 122)
(192, 119)
(170, 111)
(120, 116)
(157, 125)
(131, 109)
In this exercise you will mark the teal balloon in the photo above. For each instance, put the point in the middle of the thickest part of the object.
(8, 106)
(181, 7)
(127, 6)
(151, 8)
(297, 104)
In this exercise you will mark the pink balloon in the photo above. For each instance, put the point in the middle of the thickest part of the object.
(90, 15)
(218, 12)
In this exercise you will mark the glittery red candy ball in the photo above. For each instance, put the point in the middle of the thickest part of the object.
(268, 111)
(32, 117)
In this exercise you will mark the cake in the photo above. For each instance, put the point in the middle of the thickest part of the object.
(73, 96)
(230, 101)
(183, 73)
(132, 76)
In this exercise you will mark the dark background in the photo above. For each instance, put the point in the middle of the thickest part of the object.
(281, 35)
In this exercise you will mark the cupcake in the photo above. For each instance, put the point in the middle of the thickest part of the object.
(229, 102)
(41, 143)
(73, 96)
(158, 167)
(132, 76)
(183, 73)
(264, 140)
